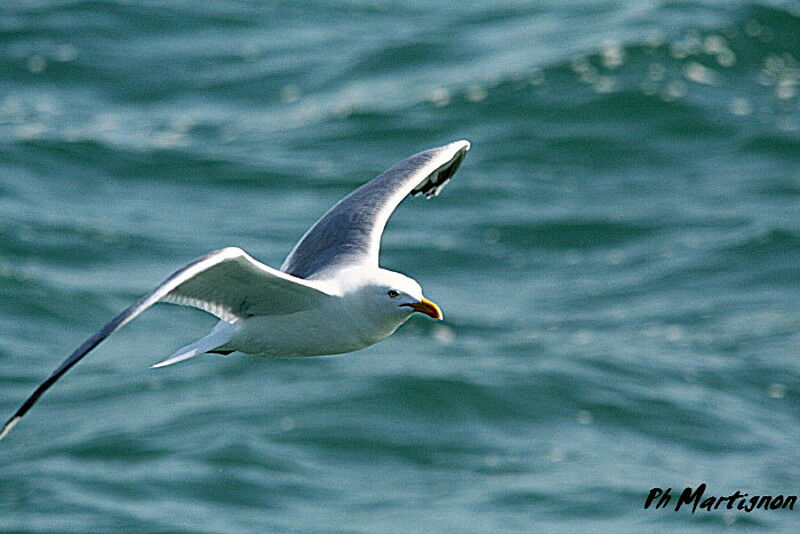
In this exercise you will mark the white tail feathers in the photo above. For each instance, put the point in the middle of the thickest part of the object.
(220, 335)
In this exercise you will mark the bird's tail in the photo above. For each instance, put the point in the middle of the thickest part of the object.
(220, 335)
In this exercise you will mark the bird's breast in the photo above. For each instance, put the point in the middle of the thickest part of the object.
(307, 333)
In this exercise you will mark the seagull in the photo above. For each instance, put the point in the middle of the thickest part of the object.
(330, 296)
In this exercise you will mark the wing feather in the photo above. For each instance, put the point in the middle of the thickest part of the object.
(350, 232)
(232, 285)
(227, 283)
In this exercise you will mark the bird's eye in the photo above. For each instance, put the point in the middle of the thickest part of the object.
(393, 293)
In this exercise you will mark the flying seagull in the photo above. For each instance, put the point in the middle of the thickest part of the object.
(330, 296)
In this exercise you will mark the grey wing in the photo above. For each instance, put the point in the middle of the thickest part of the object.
(227, 283)
(232, 285)
(350, 232)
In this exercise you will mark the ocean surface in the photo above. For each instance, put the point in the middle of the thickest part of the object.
(618, 261)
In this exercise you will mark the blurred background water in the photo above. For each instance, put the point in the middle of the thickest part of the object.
(617, 260)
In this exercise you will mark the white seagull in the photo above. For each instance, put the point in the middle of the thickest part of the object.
(330, 296)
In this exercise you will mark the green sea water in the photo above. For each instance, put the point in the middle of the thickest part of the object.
(618, 261)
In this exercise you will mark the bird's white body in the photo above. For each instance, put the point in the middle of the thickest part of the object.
(278, 337)
(347, 322)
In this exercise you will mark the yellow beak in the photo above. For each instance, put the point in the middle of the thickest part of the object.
(427, 307)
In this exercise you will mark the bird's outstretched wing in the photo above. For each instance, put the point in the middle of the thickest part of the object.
(227, 283)
(350, 232)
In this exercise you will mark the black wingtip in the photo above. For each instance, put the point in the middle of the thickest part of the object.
(29, 402)
(9, 426)
(439, 178)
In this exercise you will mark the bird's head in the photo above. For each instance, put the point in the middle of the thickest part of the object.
(396, 295)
